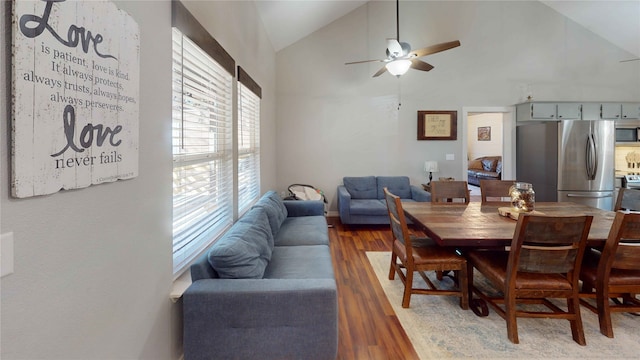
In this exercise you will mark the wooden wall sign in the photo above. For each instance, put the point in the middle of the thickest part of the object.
(75, 94)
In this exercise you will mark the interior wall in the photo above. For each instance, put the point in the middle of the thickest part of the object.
(491, 147)
(336, 120)
(93, 267)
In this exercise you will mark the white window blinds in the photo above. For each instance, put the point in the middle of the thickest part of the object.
(248, 147)
(202, 150)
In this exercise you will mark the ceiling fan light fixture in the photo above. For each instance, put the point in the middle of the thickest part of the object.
(398, 67)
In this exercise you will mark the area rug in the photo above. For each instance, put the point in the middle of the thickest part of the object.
(439, 329)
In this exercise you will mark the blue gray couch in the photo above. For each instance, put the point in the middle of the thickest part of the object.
(266, 289)
(361, 199)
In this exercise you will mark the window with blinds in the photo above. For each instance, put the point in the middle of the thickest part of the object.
(202, 150)
(248, 147)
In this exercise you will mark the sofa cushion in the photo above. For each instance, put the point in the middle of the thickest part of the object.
(300, 262)
(475, 164)
(368, 207)
(397, 185)
(274, 208)
(303, 230)
(243, 252)
(361, 187)
(258, 215)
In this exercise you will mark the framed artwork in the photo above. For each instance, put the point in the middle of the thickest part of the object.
(437, 125)
(484, 133)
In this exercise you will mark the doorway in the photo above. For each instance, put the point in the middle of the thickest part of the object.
(489, 131)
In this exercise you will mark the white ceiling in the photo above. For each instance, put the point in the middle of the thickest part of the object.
(286, 22)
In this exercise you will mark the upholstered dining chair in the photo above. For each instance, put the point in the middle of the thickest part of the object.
(628, 199)
(543, 262)
(495, 190)
(614, 273)
(419, 255)
(449, 192)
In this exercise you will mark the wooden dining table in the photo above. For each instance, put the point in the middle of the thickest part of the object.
(480, 225)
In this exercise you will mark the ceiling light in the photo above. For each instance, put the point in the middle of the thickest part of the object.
(398, 67)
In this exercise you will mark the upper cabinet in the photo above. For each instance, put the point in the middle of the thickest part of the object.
(555, 111)
(631, 111)
(548, 111)
(610, 111)
(569, 111)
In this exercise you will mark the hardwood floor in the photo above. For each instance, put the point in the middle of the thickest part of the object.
(368, 327)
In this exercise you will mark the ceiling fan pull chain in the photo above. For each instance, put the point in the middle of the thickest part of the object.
(399, 94)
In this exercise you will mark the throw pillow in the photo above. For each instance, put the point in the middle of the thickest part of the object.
(488, 165)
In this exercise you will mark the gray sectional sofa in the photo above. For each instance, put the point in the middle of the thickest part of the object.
(361, 198)
(266, 289)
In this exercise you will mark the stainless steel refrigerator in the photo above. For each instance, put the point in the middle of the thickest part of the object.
(569, 160)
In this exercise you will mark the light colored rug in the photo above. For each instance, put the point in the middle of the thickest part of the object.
(440, 329)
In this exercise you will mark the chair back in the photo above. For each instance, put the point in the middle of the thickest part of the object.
(398, 221)
(495, 190)
(628, 199)
(622, 249)
(549, 244)
(449, 191)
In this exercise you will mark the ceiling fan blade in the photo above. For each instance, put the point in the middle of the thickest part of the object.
(630, 60)
(363, 61)
(420, 65)
(434, 49)
(381, 71)
(394, 48)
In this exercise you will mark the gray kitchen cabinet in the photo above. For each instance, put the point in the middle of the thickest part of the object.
(569, 111)
(610, 111)
(591, 111)
(543, 111)
(631, 111)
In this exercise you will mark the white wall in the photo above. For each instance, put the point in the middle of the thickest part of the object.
(492, 147)
(93, 267)
(336, 120)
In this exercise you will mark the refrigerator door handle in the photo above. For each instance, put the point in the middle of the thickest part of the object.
(591, 157)
(590, 196)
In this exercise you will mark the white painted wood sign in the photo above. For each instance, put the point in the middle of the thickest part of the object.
(75, 88)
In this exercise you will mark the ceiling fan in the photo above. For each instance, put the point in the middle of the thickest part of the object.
(400, 57)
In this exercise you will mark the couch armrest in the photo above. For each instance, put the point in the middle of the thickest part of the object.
(304, 207)
(419, 194)
(344, 204)
(275, 318)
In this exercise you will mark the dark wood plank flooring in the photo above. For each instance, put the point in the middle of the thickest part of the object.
(368, 327)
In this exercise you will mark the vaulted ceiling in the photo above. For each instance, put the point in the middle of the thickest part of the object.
(286, 22)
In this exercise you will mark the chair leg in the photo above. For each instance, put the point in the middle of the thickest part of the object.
(604, 314)
(577, 331)
(408, 286)
(392, 268)
(463, 286)
(510, 317)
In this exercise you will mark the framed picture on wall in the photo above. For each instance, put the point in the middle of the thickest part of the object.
(484, 133)
(437, 125)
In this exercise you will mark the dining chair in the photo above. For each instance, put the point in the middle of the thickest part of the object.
(628, 199)
(613, 273)
(495, 190)
(543, 262)
(419, 255)
(449, 192)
